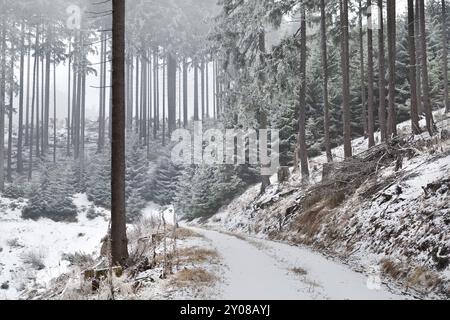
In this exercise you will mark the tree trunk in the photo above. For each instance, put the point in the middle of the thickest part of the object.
(302, 147)
(345, 80)
(100, 142)
(418, 58)
(392, 117)
(46, 110)
(38, 154)
(412, 69)
(10, 115)
(21, 95)
(54, 110)
(214, 90)
(27, 119)
(196, 115)
(185, 93)
(381, 74)
(326, 115)
(137, 96)
(143, 107)
(265, 179)
(171, 92)
(69, 71)
(164, 102)
(445, 55)
(362, 72)
(425, 84)
(119, 250)
(207, 88)
(370, 91)
(202, 83)
(33, 101)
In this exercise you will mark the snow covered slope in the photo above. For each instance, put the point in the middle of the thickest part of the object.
(31, 252)
(394, 222)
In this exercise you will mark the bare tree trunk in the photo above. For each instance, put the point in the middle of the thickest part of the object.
(362, 72)
(143, 112)
(54, 110)
(171, 92)
(202, 83)
(137, 95)
(214, 90)
(326, 113)
(155, 95)
(302, 147)
(119, 250)
(101, 124)
(38, 154)
(426, 83)
(47, 98)
(10, 115)
(196, 115)
(207, 88)
(445, 55)
(69, 99)
(392, 117)
(370, 80)
(265, 179)
(185, 93)
(418, 58)
(164, 102)
(33, 100)
(381, 74)
(412, 69)
(345, 80)
(21, 94)
(27, 119)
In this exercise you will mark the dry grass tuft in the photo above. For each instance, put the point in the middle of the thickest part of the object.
(421, 277)
(187, 277)
(183, 233)
(35, 259)
(299, 271)
(196, 255)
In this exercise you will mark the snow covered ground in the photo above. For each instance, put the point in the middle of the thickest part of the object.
(261, 269)
(399, 231)
(31, 252)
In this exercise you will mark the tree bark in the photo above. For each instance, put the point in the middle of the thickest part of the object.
(445, 55)
(412, 69)
(69, 71)
(426, 83)
(362, 71)
(345, 80)
(27, 113)
(10, 115)
(33, 101)
(21, 96)
(196, 115)
(326, 115)
(185, 93)
(171, 92)
(418, 58)
(370, 80)
(119, 242)
(381, 74)
(392, 117)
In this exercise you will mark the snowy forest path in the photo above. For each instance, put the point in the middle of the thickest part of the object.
(261, 269)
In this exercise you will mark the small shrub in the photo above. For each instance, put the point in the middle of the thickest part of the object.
(93, 213)
(78, 259)
(14, 243)
(35, 259)
(5, 285)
